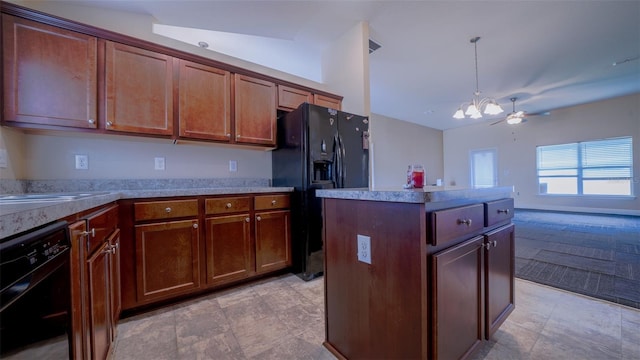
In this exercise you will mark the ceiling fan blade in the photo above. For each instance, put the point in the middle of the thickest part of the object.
(540, 113)
(497, 122)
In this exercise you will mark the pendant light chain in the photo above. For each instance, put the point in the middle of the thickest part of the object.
(477, 105)
(475, 45)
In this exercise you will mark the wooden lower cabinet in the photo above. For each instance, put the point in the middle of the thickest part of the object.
(437, 283)
(167, 254)
(95, 284)
(457, 308)
(99, 298)
(167, 259)
(229, 251)
(273, 240)
(115, 285)
(499, 269)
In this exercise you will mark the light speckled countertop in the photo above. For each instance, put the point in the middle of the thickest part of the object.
(16, 218)
(434, 197)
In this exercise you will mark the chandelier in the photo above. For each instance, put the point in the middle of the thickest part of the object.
(477, 106)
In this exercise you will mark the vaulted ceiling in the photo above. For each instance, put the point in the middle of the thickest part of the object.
(548, 54)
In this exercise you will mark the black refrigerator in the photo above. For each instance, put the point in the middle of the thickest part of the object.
(318, 148)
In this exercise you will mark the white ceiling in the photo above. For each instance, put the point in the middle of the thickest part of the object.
(548, 54)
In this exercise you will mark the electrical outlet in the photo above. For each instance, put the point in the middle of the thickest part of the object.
(82, 162)
(364, 249)
(233, 165)
(159, 163)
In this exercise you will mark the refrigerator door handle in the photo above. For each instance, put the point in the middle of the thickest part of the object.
(343, 154)
(336, 162)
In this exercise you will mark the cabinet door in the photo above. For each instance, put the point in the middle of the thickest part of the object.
(205, 102)
(114, 282)
(50, 74)
(290, 98)
(457, 313)
(139, 90)
(167, 259)
(255, 111)
(327, 102)
(228, 246)
(77, 270)
(99, 298)
(273, 240)
(499, 277)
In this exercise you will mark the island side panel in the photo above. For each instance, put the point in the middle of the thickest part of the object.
(377, 310)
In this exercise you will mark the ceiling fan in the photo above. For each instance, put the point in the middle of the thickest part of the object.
(516, 117)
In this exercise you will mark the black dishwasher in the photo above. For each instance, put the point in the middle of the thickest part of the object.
(35, 321)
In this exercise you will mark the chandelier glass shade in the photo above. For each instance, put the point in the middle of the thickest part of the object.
(477, 106)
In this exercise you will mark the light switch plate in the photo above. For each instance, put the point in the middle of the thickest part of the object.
(364, 249)
(159, 163)
(233, 165)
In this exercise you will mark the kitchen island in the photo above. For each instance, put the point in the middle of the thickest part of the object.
(416, 274)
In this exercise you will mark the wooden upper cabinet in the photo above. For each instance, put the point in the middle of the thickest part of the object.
(50, 74)
(255, 111)
(205, 102)
(290, 98)
(139, 90)
(327, 102)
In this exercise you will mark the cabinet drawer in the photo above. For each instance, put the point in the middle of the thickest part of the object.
(498, 211)
(165, 209)
(227, 205)
(267, 202)
(100, 225)
(450, 224)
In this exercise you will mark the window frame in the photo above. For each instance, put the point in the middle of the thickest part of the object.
(580, 170)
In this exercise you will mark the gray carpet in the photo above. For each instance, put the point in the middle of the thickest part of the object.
(594, 255)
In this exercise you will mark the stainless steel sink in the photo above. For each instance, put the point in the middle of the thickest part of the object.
(29, 198)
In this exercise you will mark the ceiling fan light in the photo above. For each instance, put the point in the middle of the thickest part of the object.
(514, 120)
(476, 115)
(459, 114)
(472, 110)
(493, 108)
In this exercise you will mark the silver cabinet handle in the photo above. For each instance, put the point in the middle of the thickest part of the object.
(109, 123)
(91, 232)
(464, 221)
(489, 244)
(258, 218)
(168, 210)
(247, 219)
(500, 211)
(195, 226)
(228, 205)
(91, 121)
(228, 135)
(273, 202)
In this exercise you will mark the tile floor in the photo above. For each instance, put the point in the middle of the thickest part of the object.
(282, 318)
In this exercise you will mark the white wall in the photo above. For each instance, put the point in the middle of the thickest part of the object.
(124, 157)
(397, 144)
(345, 67)
(516, 147)
(12, 140)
